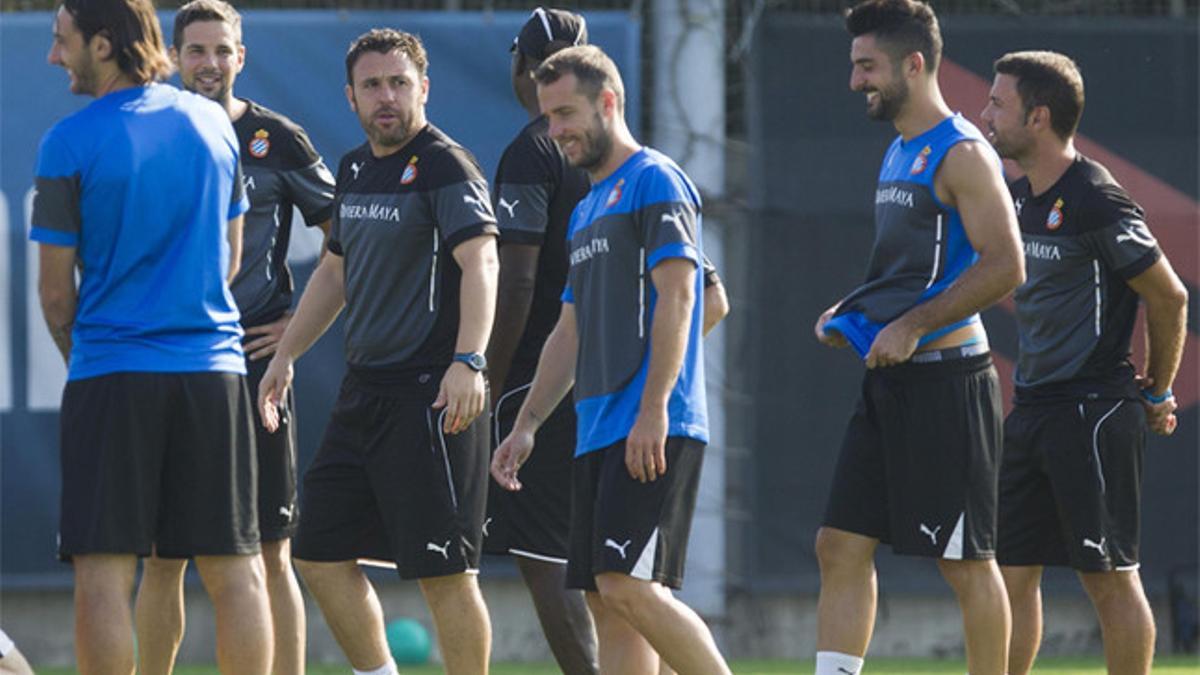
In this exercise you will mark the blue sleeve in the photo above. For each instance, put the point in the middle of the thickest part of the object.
(669, 221)
(56, 217)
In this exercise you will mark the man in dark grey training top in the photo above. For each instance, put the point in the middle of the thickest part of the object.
(281, 170)
(1070, 483)
(401, 475)
(918, 463)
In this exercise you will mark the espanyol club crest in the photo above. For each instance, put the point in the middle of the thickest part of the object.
(410, 171)
(615, 195)
(1055, 219)
(921, 161)
(260, 145)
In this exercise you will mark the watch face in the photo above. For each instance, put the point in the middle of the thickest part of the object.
(474, 361)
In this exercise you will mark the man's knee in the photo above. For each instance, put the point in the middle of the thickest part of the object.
(449, 587)
(231, 575)
(156, 570)
(1107, 587)
(1022, 582)
(967, 575)
(625, 595)
(840, 550)
(277, 557)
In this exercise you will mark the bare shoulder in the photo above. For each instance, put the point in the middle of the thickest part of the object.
(970, 168)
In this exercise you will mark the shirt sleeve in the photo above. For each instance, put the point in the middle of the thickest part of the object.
(335, 223)
(56, 217)
(669, 223)
(308, 184)
(460, 201)
(522, 192)
(239, 202)
(1120, 238)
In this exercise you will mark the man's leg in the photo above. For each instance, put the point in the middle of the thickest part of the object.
(563, 614)
(287, 608)
(464, 631)
(1125, 620)
(987, 619)
(236, 584)
(352, 610)
(671, 627)
(159, 614)
(622, 649)
(846, 605)
(103, 622)
(1024, 587)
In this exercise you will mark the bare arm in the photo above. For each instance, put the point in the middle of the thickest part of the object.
(1166, 330)
(514, 297)
(58, 293)
(322, 301)
(716, 306)
(645, 449)
(234, 235)
(970, 181)
(463, 391)
(553, 379)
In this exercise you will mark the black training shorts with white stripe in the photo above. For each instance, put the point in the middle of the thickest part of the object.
(388, 485)
(621, 525)
(920, 459)
(1070, 485)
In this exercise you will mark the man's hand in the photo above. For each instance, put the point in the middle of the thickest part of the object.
(831, 339)
(509, 457)
(894, 345)
(271, 389)
(1160, 417)
(264, 346)
(645, 449)
(462, 394)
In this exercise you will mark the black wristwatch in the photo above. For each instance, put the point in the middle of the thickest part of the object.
(474, 360)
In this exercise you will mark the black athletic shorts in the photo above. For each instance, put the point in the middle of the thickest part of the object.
(387, 484)
(161, 461)
(621, 525)
(278, 513)
(919, 461)
(1070, 485)
(533, 522)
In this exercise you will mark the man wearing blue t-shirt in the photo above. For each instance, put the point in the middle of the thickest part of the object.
(142, 191)
(629, 340)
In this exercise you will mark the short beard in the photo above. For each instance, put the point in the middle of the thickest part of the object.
(599, 146)
(890, 102)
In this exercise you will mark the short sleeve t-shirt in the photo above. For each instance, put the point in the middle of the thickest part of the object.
(281, 171)
(647, 211)
(142, 182)
(1084, 238)
(397, 220)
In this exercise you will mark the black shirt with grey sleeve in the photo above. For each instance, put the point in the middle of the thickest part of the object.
(534, 194)
(397, 220)
(281, 170)
(1084, 238)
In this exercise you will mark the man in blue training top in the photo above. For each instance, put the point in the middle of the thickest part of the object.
(629, 339)
(920, 458)
(142, 190)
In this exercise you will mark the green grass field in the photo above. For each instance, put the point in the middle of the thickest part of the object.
(1088, 666)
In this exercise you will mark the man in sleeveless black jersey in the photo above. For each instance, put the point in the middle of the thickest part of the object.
(919, 460)
(1070, 483)
(401, 474)
(281, 171)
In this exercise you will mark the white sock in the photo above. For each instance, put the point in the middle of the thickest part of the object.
(837, 663)
(388, 668)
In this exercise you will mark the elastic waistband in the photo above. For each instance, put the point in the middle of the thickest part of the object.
(951, 353)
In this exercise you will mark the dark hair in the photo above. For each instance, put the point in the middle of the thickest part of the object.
(1047, 79)
(901, 27)
(591, 67)
(207, 10)
(132, 28)
(386, 41)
